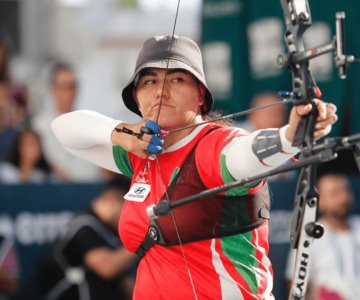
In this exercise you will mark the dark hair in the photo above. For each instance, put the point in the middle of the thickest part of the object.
(14, 154)
(58, 67)
(215, 115)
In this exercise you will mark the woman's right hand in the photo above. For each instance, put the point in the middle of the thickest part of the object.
(142, 146)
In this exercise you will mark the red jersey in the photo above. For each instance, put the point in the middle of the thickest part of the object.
(235, 267)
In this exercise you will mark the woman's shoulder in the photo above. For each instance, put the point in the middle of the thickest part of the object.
(222, 132)
(216, 137)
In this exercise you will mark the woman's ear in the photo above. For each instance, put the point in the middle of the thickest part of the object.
(202, 92)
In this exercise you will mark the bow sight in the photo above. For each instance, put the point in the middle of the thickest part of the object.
(298, 20)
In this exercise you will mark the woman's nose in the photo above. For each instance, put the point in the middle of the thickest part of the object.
(162, 89)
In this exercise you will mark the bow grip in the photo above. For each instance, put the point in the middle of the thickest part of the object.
(304, 134)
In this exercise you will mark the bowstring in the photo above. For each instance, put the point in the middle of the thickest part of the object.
(168, 60)
(158, 163)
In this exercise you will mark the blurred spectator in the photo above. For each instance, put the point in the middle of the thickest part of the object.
(335, 257)
(4, 62)
(18, 113)
(273, 117)
(7, 132)
(8, 268)
(13, 103)
(88, 261)
(26, 162)
(64, 88)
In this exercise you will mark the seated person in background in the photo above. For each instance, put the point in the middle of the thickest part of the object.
(26, 162)
(87, 261)
(335, 257)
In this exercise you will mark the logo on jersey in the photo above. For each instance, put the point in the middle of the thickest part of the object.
(138, 192)
(142, 176)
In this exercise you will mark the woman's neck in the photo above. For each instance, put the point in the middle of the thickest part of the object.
(174, 137)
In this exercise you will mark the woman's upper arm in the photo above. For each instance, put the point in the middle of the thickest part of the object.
(87, 134)
(101, 156)
(227, 154)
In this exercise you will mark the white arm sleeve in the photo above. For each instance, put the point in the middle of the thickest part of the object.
(87, 134)
(242, 162)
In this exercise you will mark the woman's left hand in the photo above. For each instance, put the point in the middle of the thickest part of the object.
(327, 116)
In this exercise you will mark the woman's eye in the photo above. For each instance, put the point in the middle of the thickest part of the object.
(149, 81)
(177, 79)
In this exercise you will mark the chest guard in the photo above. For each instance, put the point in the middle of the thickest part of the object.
(211, 217)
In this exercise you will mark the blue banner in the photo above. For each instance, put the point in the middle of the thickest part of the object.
(33, 215)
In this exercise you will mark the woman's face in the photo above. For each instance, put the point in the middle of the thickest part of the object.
(30, 150)
(175, 93)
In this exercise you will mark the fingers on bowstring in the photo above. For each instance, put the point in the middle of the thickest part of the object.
(153, 139)
(154, 149)
(156, 140)
(156, 143)
(149, 129)
(153, 126)
(147, 148)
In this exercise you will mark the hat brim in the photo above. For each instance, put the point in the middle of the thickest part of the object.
(127, 93)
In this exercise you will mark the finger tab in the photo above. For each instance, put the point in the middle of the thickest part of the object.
(153, 126)
(146, 130)
(156, 140)
(153, 149)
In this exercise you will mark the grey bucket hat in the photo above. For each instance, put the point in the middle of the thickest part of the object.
(165, 52)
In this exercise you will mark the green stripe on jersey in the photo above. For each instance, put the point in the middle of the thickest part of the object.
(174, 174)
(226, 176)
(122, 161)
(242, 254)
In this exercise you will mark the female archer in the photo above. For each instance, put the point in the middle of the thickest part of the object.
(212, 249)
